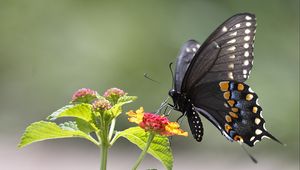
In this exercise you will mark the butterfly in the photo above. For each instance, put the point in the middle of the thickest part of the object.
(209, 80)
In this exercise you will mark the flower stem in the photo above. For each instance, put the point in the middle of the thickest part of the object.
(111, 129)
(142, 155)
(104, 146)
(104, 152)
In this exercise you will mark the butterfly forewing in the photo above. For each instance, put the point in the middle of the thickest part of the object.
(187, 52)
(226, 55)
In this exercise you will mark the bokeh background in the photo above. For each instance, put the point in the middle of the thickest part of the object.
(50, 48)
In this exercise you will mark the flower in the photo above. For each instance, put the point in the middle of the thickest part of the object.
(137, 116)
(84, 95)
(113, 92)
(101, 104)
(155, 123)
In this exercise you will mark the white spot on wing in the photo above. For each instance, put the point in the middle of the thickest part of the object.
(198, 45)
(252, 138)
(257, 121)
(230, 75)
(255, 142)
(231, 66)
(265, 137)
(224, 29)
(246, 62)
(247, 31)
(264, 126)
(232, 56)
(231, 48)
(231, 41)
(258, 132)
(246, 54)
(248, 17)
(250, 90)
(248, 24)
(188, 50)
(237, 25)
(246, 45)
(233, 34)
(194, 49)
(247, 38)
(245, 71)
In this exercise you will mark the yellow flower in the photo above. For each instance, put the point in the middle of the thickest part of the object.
(173, 128)
(137, 116)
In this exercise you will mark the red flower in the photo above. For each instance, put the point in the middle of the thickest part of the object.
(155, 123)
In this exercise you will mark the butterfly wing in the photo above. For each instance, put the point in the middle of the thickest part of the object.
(227, 54)
(213, 81)
(187, 52)
(233, 108)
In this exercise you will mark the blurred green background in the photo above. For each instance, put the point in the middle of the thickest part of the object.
(49, 49)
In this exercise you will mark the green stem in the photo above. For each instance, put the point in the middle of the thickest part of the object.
(111, 129)
(142, 155)
(104, 152)
(104, 146)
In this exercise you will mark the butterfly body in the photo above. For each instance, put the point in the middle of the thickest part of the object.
(209, 80)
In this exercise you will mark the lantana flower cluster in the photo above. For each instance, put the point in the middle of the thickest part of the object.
(86, 95)
(155, 123)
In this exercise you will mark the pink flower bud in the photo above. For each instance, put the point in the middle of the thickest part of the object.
(101, 104)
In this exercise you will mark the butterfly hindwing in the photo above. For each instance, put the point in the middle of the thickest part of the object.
(235, 110)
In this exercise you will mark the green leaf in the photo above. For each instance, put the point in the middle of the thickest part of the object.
(43, 130)
(159, 148)
(126, 99)
(116, 110)
(82, 111)
(85, 126)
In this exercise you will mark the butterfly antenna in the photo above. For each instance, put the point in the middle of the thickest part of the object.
(149, 78)
(251, 157)
(170, 67)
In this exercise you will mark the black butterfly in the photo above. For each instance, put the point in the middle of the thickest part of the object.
(209, 80)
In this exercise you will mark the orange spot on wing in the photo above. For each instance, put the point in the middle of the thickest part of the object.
(228, 118)
(249, 97)
(240, 87)
(231, 102)
(254, 109)
(227, 128)
(224, 85)
(238, 138)
(226, 95)
(234, 109)
(234, 115)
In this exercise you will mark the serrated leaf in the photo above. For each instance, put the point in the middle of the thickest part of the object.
(43, 130)
(159, 148)
(82, 111)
